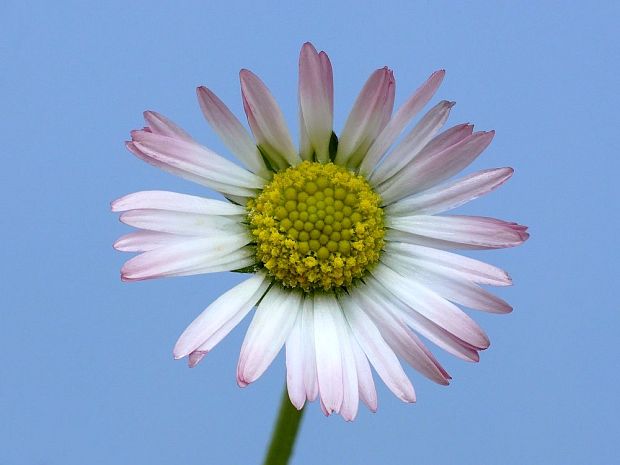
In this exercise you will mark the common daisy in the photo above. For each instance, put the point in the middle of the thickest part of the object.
(346, 251)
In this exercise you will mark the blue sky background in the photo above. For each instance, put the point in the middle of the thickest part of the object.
(87, 376)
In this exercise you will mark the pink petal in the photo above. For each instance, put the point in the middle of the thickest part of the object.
(452, 195)
(230, 130)
(431, 167)
(314, 100)
(194, 162)
(271, 325)
(402, 117)
(425, 327)
(193, 256)
(219, 318)
(159, 124)
(371, 112)
(432, 306)
(416, 140)
(350, 386)
(267, 121)
(400, 338)
(310, 375)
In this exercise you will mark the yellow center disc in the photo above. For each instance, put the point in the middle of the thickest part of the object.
(317, 226)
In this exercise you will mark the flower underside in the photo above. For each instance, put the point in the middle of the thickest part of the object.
(317, 226)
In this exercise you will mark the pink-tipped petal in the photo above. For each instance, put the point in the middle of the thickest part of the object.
(449, 284)
(219, 318)
(194, 256)
(143, 241)
(271, 325)
(402, 117)
(159, 124)
(440, 261)
(400, 338)
(311, 383)
(451, 195)
(266, 121)
(371, 112)
(413, 143)
(377, 350)
(425, 327)
(231, 131)
(472, 231)
(432, 306)
(197, 163)
(431, 167)
(315, 100)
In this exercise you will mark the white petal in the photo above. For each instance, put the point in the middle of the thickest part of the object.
(451, 195)
(425, 327)
(402, 117)
(189, 224)
(143, 241)
(314, 100)
(433, 166)
(449, 284)
(472, 231)
(440, 261)
(231, 131)
(371, 112)
(271, 325)
(416, 140)
(366, 385)
(190, 257)
(350, 387)
(219, 318)
(295, 364)
(377, 350)
(173, 201)
(402, 340)
(328, 351)
(432, 306)
(267, 121)
(310, 375)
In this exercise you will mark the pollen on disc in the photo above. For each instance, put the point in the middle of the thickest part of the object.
(317, 226)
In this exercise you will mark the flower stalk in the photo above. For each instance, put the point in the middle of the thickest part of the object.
(284, 433)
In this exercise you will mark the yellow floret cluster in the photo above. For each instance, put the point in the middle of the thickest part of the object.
(317, 226)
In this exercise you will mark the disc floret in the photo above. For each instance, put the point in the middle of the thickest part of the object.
(317, 226)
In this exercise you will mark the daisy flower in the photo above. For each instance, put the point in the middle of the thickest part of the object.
(344, 237)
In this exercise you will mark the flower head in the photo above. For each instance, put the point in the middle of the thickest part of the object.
(347, 255)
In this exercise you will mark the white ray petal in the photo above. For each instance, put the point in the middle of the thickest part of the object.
(231, 131)
(271, 325)
(328, 351)
(173, 201)
(402, 117)
(219, 318)
(190, 257)
(413, 143)
(377, 350)
(451, 195)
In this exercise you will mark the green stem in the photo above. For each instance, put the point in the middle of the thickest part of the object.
(284, 433)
